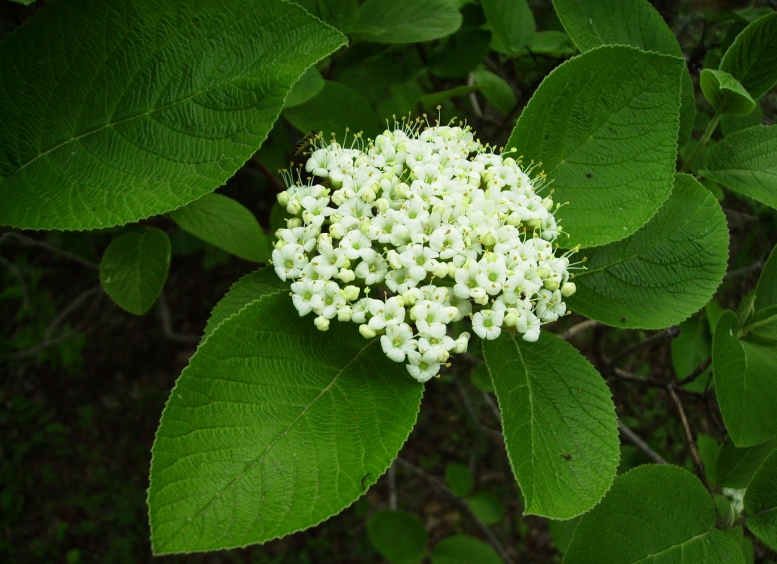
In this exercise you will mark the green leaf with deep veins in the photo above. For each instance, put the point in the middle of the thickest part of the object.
(665, 271)
(652, 514)
(604, 126)
(116, 110)
(272, 428)
(746, 162)
(592, 23)
(558, 421)
(134, 268)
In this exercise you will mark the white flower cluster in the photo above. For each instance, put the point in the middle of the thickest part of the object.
(420, 229)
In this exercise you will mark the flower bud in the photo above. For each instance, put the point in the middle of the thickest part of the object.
(321, 322)
(366, 331)
(350, 293)
(346, 275)
(344, 313)
(283, 198)
(550, 284)
(293, 222)
(568, 288)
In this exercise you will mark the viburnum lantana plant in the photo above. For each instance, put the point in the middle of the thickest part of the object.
(418, 229)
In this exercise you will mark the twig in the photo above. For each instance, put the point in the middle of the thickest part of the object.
(696, 372)
(577, 328)
(697, 462)
(640, 444)
(746, 270)
(48, 340)
(167, 325)
(473, 97)
(392, 484)
(492, 404)
(272, 178)
(29, 241)
(648, 381)
(669, 332)
(18, 275)
(441, 487)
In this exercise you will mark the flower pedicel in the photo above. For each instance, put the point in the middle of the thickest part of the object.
(421, 228)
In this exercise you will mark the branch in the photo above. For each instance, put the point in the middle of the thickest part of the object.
(669, 332)
(640, 444)
(577, 328)
(441, 487)
(696, 373)
(30, 242)
(697, 462)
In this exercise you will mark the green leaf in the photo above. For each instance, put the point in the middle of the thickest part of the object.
(737, 466)
(562, 532)
(690, 348)
(496, 90)
(604, 127)
(593, 23)
(663, 273)
(746, 162)
(430, 101)
(225, 223)
(761, 502)
(333, 110)
(399, 536)
(134, 268)
(409, 21)
(766, 289)
(308, 85)
(558, 421)
(273, 427)
(459, 478)
(487, 507)
(750, 59)
(463, 549)
(745, 384)
(481, 379)
(762, 327)
(725, 94)
(512, 24)
(117, 110)
(654, 513)
(248, 289)
(729, 124)
(461, 53)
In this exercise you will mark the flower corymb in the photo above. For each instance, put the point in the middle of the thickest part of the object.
(416, 230)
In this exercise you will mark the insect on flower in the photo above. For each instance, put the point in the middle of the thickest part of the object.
(305, 142)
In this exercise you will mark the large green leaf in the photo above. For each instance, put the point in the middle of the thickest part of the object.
(134, 268)
(272, 428)
(761, 502)
(399, 536)
(766, 290)
(750, 59)
(225, 223)
(735, 467)
(116, 110)
(248, 289)
(558, 421)
(604, 127)
(463, 549)
(746, 162)
(408, 21)
(746, 383)
(654, 513)
(334, 109)
(725, 94)
(512, 24)
(592, 23)
(665, 271)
